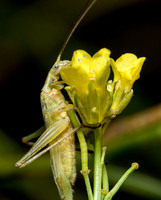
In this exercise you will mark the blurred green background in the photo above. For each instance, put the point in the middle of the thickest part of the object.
(31, 35)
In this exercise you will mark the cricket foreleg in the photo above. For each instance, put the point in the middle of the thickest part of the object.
(61, 108)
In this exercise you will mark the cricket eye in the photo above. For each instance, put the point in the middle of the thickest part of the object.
(56, 66)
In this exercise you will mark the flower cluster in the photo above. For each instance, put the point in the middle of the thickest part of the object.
(90, 89)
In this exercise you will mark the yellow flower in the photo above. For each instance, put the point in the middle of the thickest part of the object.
(87, 79)
(85, 68)
(127, 69)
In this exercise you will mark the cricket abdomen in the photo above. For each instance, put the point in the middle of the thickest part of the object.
(64, 167)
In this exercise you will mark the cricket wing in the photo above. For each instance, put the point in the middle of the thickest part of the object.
(50, 134)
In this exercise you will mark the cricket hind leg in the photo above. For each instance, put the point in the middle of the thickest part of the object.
(27, 139)
(50, 134)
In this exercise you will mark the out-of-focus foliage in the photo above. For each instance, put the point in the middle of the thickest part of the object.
(31, 35)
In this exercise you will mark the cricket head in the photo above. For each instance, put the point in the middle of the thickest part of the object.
(58, 66)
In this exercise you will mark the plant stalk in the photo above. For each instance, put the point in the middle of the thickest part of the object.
(97, 163)
(84, 154)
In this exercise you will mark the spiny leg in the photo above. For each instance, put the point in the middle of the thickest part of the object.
(23, 163)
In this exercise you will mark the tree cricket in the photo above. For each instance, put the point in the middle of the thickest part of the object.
(58, 136)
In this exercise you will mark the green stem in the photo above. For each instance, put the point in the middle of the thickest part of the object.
(97, 163)
(105, 179)
(105, 184)
(105, 187)
(84, 154)
(133, 167)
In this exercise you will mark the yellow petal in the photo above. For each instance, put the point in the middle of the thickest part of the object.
(81, 59)
(76, 75)
(100, 66)
(129, 66)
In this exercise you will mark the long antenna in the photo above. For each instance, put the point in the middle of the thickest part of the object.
(84, 11)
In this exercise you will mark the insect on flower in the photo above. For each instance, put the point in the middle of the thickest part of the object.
(59, 133)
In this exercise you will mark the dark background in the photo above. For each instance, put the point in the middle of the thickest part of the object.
(31, 35)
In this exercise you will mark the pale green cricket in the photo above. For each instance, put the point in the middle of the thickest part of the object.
(59, 133)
